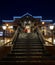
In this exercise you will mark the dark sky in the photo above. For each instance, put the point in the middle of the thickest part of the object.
(10, 8)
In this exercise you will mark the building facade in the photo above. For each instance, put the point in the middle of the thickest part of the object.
(26, 22)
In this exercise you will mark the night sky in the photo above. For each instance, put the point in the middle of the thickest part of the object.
(10, 8)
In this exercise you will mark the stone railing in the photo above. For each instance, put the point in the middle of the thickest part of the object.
(43, 39)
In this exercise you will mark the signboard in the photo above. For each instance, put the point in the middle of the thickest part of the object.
(1, 33)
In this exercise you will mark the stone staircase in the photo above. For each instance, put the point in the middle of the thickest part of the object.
(28, 51)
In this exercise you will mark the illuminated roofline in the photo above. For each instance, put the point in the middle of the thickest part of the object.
(46, 20)
(16, 17)
(22, 16)
(7, 20)
(37, 17)
(26, 14)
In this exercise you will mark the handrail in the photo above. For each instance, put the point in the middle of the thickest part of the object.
(10, 42)
(15, 35)
(48, 42)
(42, 37)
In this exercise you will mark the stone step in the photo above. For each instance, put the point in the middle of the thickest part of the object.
(25, 51)
(21, 62)
(39, 50)
(28, 40)
(27, 48)
(39, 62)
(37, 44)
(25, 54)
(30, 58)
(20, 58)
(28, 45)
(33, 52)
(31, 46)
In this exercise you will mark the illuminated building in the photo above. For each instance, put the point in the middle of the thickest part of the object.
(26, 20)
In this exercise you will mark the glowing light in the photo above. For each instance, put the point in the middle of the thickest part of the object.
(10, 27)
(50, 39)
(43, 22)
(27, 27)
(8, 40)
(54, 41)
(6, 24)
(4, 27)
(51, 27)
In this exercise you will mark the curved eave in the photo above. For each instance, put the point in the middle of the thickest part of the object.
(7, 20)
(27, 14)
(46, 20)
(37, 17)
(16, 17)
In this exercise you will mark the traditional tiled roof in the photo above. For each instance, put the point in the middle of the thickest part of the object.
(27, 14)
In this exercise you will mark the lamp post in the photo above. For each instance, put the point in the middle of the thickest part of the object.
(4, 29)
(43, 23)
(51, 28)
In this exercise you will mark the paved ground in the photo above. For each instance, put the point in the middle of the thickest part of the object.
(27, 35)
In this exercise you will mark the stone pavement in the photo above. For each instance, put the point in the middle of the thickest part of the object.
(27, 35)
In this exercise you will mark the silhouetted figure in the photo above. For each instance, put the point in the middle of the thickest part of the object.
(43, 32)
